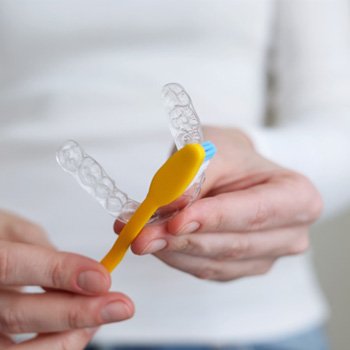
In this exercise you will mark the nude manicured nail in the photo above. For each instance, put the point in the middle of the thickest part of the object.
(154, 246)
(92, 282)
(189, 228)
(115, 311)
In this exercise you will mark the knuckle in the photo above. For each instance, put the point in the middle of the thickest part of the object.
(236, 251)
(214, 218)
(180, 243)
(226, 277)
(261, 215)
(300, 245)
(230, 275)
(208, 272)
(65, 344)
(311, 200)
(10, 320)
(191, 245)
(264, 267)
(219, 220)
(74, 340)
(200, 247)
(74, 319)
(82, 315)
(5, 269)
(58, 271)
(68, 342)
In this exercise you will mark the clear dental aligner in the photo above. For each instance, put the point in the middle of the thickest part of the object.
(184, 122)
(94, 179)
(185, 128)
(184, 125)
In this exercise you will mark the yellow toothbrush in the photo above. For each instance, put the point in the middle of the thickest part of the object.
(168, 184)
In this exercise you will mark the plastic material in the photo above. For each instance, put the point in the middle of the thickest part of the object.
(168, 184)
(185, 127)
(175, 185)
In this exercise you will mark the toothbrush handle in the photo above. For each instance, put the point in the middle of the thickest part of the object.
(128, 234)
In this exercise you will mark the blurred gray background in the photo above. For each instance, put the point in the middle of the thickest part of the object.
(331, 247)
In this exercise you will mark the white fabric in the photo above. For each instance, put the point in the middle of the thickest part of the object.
(92, 71)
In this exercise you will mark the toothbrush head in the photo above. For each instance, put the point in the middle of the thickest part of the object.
(168, 184)
(177, 173)
(209, 149)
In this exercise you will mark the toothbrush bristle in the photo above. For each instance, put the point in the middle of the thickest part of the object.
(210, 150)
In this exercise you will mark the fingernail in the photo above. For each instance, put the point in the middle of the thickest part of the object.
(92, 282)
(189, 228)
(115, 311)
(154, 246)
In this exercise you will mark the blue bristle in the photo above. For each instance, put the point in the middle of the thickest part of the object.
(210, 150)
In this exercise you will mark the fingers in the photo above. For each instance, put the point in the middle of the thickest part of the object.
(17, 229)
(25, 264)
(5, 341)
(210, 269)
(246, 245)
(75, 340)
(152, 238)
(284, 201)
(54, 312)
(239, 246)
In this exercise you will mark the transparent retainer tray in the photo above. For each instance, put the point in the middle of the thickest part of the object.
(185, 128)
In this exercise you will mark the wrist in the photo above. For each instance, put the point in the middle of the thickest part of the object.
(244, 138)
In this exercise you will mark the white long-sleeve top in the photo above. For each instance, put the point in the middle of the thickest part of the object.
(92, 71)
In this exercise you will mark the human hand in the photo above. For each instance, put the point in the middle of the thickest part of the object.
(250, 213)
(75, 299)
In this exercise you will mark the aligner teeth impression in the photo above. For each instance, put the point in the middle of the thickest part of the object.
(185, 128)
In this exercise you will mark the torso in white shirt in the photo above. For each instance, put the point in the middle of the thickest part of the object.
(92, 71)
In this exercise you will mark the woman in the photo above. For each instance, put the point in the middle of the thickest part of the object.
(92, 71)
